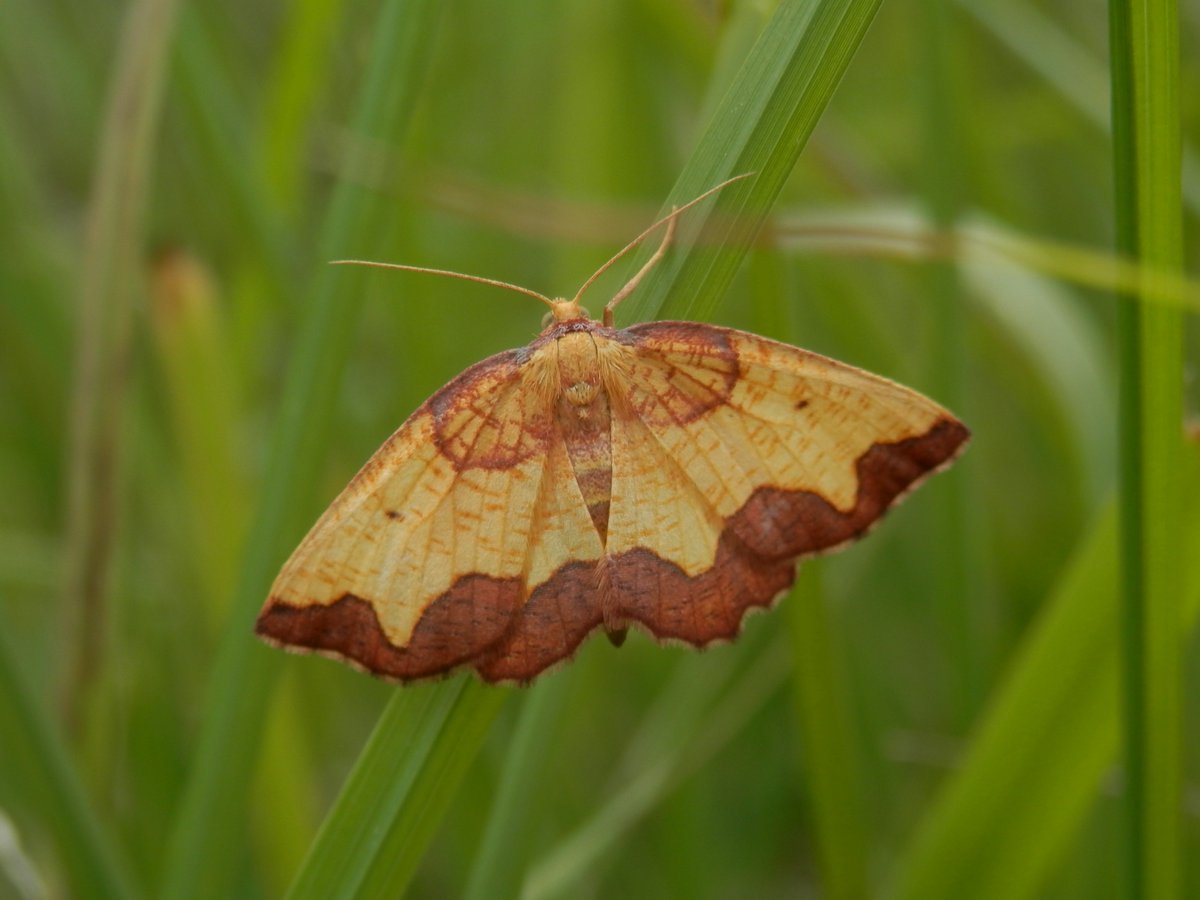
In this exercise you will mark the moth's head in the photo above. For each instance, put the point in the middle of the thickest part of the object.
(565, 311)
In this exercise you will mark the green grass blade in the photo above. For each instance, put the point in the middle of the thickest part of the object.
(664, 759)
(287, 803)
(760, 126)
(376, 833)
(50, 788)
(297, 80)
(1046, 742)
(957, 850)
(944, 181)
(832, 767)
(202, 398)
(207, 834)
(109, 282)
(830, 762)
(222, 138)
(1146, 138)
(1060, 337)
(1062, 61)
(500, 862)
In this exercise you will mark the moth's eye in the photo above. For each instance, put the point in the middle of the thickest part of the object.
(547, 319)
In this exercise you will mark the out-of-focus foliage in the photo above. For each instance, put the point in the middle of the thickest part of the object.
(185, 383)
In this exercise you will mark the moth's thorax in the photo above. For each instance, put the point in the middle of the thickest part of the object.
(578, 367)
(580, 360)
(585, 375)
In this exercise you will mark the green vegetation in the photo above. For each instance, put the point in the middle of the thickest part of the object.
(945, 710)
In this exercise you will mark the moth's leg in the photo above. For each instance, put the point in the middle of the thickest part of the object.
(650, 264)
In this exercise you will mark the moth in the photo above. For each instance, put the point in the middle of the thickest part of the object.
(667, 477)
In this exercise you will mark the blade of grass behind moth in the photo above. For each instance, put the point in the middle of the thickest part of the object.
(294, 89)
(1068, 347)
(202, 398)
(1047, 740)
(670, 749)
(1067, 66)
(287, 801)
(207, 833)
(35, 755)
(831, 764)
(43, 37)
(108, 284)
(35, 327)
(220, 133)
(961, 570)
(1146, 145)
(500, 860)
(374, 837)
(760, 126)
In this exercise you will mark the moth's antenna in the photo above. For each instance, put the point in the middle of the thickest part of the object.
(641, 237)
(428, 271)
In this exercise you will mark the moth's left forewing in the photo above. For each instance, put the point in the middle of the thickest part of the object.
(864, 441)
(783, 452)
(849, 426)
(746, 414)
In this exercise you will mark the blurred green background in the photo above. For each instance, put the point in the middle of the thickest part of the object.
(185, 384)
